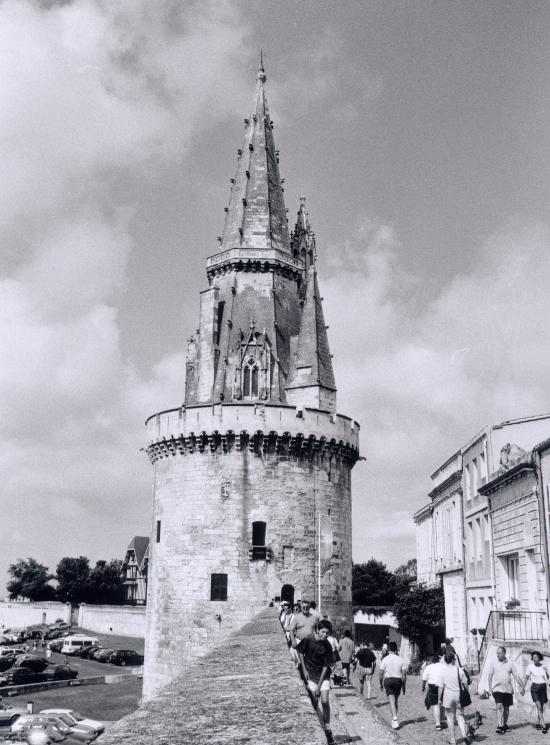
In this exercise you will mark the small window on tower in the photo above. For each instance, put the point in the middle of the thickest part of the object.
(158, 531)
(218, 587)
(251, 374)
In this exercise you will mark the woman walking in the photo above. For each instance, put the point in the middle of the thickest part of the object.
(453, 681)
(538, 675)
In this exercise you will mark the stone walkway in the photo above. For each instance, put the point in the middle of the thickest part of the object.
(369, 721)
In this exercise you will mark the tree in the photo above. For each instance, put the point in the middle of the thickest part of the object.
(372, 584)
(106, 584)
(420, 613)
(30, 580)
(403, 577)
(73, 577)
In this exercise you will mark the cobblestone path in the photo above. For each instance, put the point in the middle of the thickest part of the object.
(370, 721)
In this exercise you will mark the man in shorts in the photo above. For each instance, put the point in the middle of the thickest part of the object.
(499, 677)
(366, 666)
(316, 653)
(393, 677)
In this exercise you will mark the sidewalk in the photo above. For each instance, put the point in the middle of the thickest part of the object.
(417, 724)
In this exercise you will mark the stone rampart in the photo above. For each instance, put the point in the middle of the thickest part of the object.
(124, 620)
(20, 615)
(254, 418)
(246, 690)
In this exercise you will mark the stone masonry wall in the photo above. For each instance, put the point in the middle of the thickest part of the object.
(206, 504)
(244, 691)
(113, 619)
(20, 615)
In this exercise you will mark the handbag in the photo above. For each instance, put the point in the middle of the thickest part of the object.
(464, 697)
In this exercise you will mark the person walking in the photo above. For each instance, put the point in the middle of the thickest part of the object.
(430, 681)
(366, 666)
(316, 653)
(346, 649)
(538, 675)
(393, 678)
(451, 679)
(500, 676)
(303, 624)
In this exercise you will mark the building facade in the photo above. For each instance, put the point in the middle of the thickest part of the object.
(476, 587)
(135, 568)
(252, 475)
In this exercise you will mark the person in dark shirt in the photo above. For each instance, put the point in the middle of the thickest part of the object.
(316, 654)
(366, 667)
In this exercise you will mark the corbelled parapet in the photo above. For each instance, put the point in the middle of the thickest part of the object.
(277, 430)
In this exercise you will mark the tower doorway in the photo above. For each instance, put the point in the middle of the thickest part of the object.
(287, 593)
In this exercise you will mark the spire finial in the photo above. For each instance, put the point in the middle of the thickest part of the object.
(261, 76)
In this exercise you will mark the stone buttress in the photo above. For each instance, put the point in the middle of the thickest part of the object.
(252, 474)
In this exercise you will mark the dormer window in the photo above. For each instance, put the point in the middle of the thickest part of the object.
(251, 372)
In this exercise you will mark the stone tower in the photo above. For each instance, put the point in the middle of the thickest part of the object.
(252, 474)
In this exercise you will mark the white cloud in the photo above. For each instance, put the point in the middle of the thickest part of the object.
(95, 96)
(423, 375)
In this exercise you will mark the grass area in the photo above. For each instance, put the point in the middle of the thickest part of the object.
(105, 702)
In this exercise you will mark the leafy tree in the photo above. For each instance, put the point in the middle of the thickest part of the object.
(420, 613)
(73, 577)
(30, 580)
(106, 584)
(403, 577)
(372, 584)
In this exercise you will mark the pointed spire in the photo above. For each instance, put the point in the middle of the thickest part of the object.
(303, 239)
(312, 365)
(256, 216)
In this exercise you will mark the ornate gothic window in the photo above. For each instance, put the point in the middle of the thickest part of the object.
(251, 373)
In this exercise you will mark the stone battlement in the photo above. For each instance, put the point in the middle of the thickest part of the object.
(280, 429)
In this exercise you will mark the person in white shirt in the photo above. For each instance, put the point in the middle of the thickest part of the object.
(393, 677)
(430, 680)
(538, 675)
(451, 678)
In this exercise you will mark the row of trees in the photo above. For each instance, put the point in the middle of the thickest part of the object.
(419, 610)
(77, 581)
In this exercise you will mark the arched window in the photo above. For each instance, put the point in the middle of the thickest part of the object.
(251, 373)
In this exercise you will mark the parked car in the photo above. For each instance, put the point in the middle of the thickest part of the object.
(15, 636)
(54, 634)
(56, 645)
(102, 655)
(31, 661)
(126, 657)
(56, 729)
(8, 714)
(77, 722)
(20, 676)
(35, 633)
(3, 640)
(87, 652)
(28, 720)
(11, 652)
(60, 672)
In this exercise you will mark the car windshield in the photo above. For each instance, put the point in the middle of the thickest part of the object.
(77, 716)
(64, 718)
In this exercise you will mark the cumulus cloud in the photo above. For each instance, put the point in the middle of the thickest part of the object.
(95, 96)
(422, 371)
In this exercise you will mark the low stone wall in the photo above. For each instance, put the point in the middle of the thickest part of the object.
(123, 620)
(20, 615)
(247, 690)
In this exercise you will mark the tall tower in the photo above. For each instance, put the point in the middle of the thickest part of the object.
(252, 474)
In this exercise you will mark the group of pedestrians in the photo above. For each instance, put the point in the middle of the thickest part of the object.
(445, 683)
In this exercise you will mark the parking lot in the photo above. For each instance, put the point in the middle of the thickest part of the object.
(106, 702)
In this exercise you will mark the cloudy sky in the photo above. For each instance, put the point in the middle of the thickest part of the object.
(419, 133)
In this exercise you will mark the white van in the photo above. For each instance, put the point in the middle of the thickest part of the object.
(73, 644)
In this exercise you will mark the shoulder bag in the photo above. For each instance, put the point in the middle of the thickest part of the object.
(464, 695)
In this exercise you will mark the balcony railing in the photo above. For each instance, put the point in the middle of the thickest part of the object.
(260, 553)
(512, 625)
